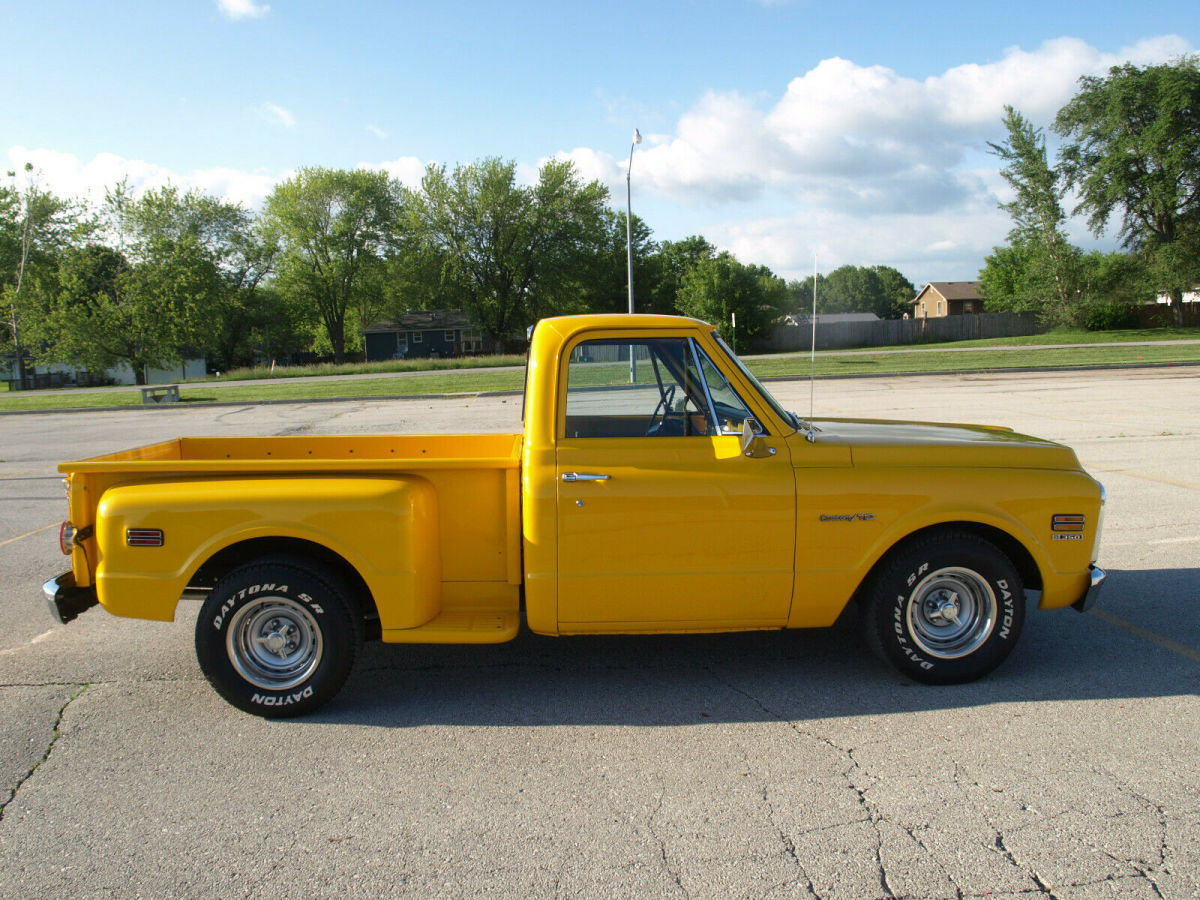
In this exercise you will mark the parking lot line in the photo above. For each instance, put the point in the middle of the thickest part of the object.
(1191, 485)
(21, 537)
(1153, 637)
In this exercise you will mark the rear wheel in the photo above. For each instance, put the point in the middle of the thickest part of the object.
(946, 609)
(278, 637)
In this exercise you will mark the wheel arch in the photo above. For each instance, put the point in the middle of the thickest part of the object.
(229, 558)
(1014, 549)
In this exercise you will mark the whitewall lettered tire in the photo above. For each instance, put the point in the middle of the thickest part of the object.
(278, 637)
(946, 609)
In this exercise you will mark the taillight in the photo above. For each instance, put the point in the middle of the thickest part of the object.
(66, 538)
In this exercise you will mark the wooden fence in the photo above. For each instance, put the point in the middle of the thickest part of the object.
(892, 332)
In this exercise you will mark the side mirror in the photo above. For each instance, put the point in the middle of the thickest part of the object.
(752, 441)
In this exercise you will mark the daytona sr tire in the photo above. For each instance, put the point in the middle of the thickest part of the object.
(946, 609)
(277, 637)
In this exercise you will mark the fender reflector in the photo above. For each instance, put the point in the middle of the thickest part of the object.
(1067, 523)
(144, 537)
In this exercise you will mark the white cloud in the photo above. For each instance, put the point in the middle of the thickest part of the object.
(408, 170)
(278, 115)
(377, 131)
(68, 176)
(889, 165)
(922, 247)
(590, 165)
(242, 9)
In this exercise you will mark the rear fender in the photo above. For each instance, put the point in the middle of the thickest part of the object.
(386, 528)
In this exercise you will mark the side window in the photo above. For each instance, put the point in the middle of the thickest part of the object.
(644, 388)
(728, 407)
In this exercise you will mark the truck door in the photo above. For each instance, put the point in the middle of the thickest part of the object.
(663, 522)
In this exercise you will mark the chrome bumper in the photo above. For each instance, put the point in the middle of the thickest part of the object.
(1088, 600)
(65, 599)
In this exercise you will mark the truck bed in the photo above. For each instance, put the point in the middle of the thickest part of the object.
(475, 479)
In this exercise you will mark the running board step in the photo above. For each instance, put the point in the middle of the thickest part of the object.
(467, 626)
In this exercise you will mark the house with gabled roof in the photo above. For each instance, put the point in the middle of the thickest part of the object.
(423, 333)
(948, 298)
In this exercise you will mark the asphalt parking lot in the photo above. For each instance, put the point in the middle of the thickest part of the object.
(752, 765)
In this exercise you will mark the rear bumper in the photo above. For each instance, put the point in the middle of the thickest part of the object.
(1088, 600)
(65, 599)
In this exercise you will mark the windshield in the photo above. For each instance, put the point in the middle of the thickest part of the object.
(788, 417)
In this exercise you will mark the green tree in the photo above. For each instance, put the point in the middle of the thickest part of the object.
(668, 268)
(334, 228)
(881, 290)
(800, 294)
(1133, 152)
(717, 288)
(850, 289)
(515, 253)
(153, 297)
(896, 293)
(1049, 283)
(1112, 287)
(35, 226)
(607, 289)
(228, 259)
(1005, 281)
(419, 275)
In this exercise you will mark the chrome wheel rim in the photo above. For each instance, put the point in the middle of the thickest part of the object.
(952, 612)
(274, 643)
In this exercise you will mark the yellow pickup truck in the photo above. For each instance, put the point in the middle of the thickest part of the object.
(658, 487)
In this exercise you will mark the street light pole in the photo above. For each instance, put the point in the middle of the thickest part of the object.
(637, 139)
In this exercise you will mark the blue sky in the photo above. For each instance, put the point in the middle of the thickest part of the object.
(783, 131)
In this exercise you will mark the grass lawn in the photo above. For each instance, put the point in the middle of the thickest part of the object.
(1103, 349)
(373, 368)
(1072, 336)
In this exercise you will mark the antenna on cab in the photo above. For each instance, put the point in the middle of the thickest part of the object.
(811, 434)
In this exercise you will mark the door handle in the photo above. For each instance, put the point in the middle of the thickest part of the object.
(572, 477)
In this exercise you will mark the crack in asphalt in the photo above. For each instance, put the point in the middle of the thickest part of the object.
(871, 814)
(999, 847)
(1146, 867)
(662, 845)
(789, 846)
(912, 833)
(1143, 872)
(16, 788)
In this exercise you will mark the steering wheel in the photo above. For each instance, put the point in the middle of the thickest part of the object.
(659, 417)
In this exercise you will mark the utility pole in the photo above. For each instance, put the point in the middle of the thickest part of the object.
(637, 139)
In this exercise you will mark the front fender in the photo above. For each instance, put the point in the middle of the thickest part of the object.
(385, 527)
(847, 522)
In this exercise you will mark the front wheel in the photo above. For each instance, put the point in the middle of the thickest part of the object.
(946, 609)
(278, 637)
